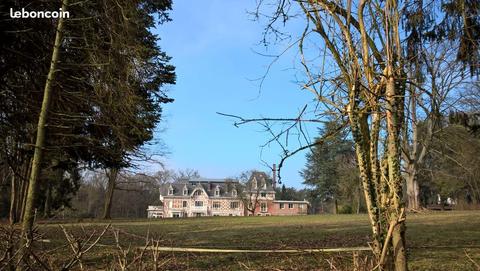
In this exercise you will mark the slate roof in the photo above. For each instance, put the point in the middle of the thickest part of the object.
(261, 178)
(225, 186)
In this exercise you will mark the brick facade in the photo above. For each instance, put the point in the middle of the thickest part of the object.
(285, 207)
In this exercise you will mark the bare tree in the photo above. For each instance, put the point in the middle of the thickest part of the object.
(428, 99)
(250, 199)
(185, 174)
(360, 82)
(357, 64)
(248, 192)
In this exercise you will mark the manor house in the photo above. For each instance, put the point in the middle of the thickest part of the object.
(223, 197)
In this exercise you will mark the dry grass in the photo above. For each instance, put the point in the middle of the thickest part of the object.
(436, 241)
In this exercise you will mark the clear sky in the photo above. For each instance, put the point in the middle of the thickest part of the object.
(213, 44)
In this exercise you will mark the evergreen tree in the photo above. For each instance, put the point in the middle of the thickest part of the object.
(106, 98)
(331, 169)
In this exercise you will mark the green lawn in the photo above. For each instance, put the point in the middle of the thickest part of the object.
(436, 241)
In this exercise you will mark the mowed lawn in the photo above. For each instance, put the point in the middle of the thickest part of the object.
(436, 240)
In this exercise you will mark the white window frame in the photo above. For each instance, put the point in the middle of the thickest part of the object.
(291, 206)
(282, 205)
(234, 205)
(216, 205)
(263, 207)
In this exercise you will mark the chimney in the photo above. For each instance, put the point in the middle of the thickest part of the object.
(274, 178)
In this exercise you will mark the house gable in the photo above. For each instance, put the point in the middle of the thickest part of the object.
(222, 197)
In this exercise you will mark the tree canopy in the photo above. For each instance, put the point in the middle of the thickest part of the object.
(107, 96)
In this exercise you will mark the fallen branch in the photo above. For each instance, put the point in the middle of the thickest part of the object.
(214, 250)
(393, 223)
(473, 261)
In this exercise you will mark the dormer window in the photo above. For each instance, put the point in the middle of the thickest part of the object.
(170, 190)
(217, 192)
(234, 192)
(264, 185)
(185, 191)
(254, 183)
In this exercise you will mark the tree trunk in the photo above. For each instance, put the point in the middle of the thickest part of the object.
(413, 192)
(22, 190)
(398, 242)
(48, 199)
(359, 199)
(13, 199)
(17, 192)
(414, 154)
(112, 177)
(394, 173)
(28, 217)
(22, 199)
(361, 139)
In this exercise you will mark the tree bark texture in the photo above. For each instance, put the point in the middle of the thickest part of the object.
(413, 190)
(28, 217)
(112, 178)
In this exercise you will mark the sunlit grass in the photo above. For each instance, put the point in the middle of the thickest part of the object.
(436, 241)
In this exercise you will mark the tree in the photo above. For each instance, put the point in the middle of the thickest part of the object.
(290, 193)
(469, 120)
(185, 174)
(88, 201)
(134, 192)
(252, 185)
(250, 198)
(437, 52)
(364, 89)
(452, 167)
(27, 225)
(362, 47)
(137, 97)
(437, 75)
(331, 169)
(106, 99)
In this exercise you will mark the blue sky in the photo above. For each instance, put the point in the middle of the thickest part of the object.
(213, 44)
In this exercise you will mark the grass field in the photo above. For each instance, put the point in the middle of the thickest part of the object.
(436, 240)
